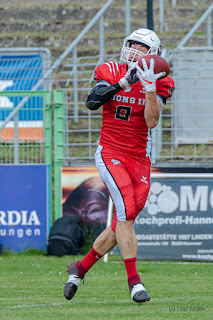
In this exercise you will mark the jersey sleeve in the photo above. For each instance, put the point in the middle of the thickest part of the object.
(107, 72)
(165, 87)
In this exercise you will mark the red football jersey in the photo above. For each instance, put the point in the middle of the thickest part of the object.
(124, 127)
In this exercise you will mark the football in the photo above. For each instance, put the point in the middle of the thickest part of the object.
(159, 66)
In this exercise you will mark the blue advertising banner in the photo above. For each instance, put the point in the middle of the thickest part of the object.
(177, 220)
(21, 72)
(24, 206)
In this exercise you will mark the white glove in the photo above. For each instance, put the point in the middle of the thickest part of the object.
(130, 77)
(147, 76)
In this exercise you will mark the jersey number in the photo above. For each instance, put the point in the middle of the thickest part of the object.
(123, 113)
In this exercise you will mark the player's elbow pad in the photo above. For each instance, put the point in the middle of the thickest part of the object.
(100, 95)
(93, 105)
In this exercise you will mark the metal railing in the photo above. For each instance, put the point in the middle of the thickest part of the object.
(28, 141)
(164, 146)
(82, 128)
(73, 48)
(81, 140)
(161, 12)
(206, 16)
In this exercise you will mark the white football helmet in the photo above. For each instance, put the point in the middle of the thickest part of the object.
(144, 36)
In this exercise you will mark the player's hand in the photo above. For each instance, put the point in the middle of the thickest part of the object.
(147, 76)
(131, 76)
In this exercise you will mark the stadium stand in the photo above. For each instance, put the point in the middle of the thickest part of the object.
(55, 24)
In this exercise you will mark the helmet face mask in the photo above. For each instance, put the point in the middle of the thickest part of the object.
(128, 51)
(142, 36)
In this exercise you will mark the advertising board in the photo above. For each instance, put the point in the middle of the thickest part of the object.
(176, 222)
(24, 206)
(20, 70)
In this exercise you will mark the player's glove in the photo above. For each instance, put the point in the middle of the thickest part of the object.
(147, 76)
(131, 76)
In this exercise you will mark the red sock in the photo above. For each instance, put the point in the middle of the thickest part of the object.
(88, 261)
(132, 274)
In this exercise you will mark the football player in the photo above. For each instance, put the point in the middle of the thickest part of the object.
(132, 99)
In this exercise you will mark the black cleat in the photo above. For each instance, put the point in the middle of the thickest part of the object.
(73, 282)
(138, 293)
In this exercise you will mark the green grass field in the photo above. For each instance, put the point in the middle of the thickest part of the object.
(31, 287)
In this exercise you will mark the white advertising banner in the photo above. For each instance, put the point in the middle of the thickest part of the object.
(177, 220)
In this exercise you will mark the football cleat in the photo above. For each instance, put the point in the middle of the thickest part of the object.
(73, 282)
(138, 293)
